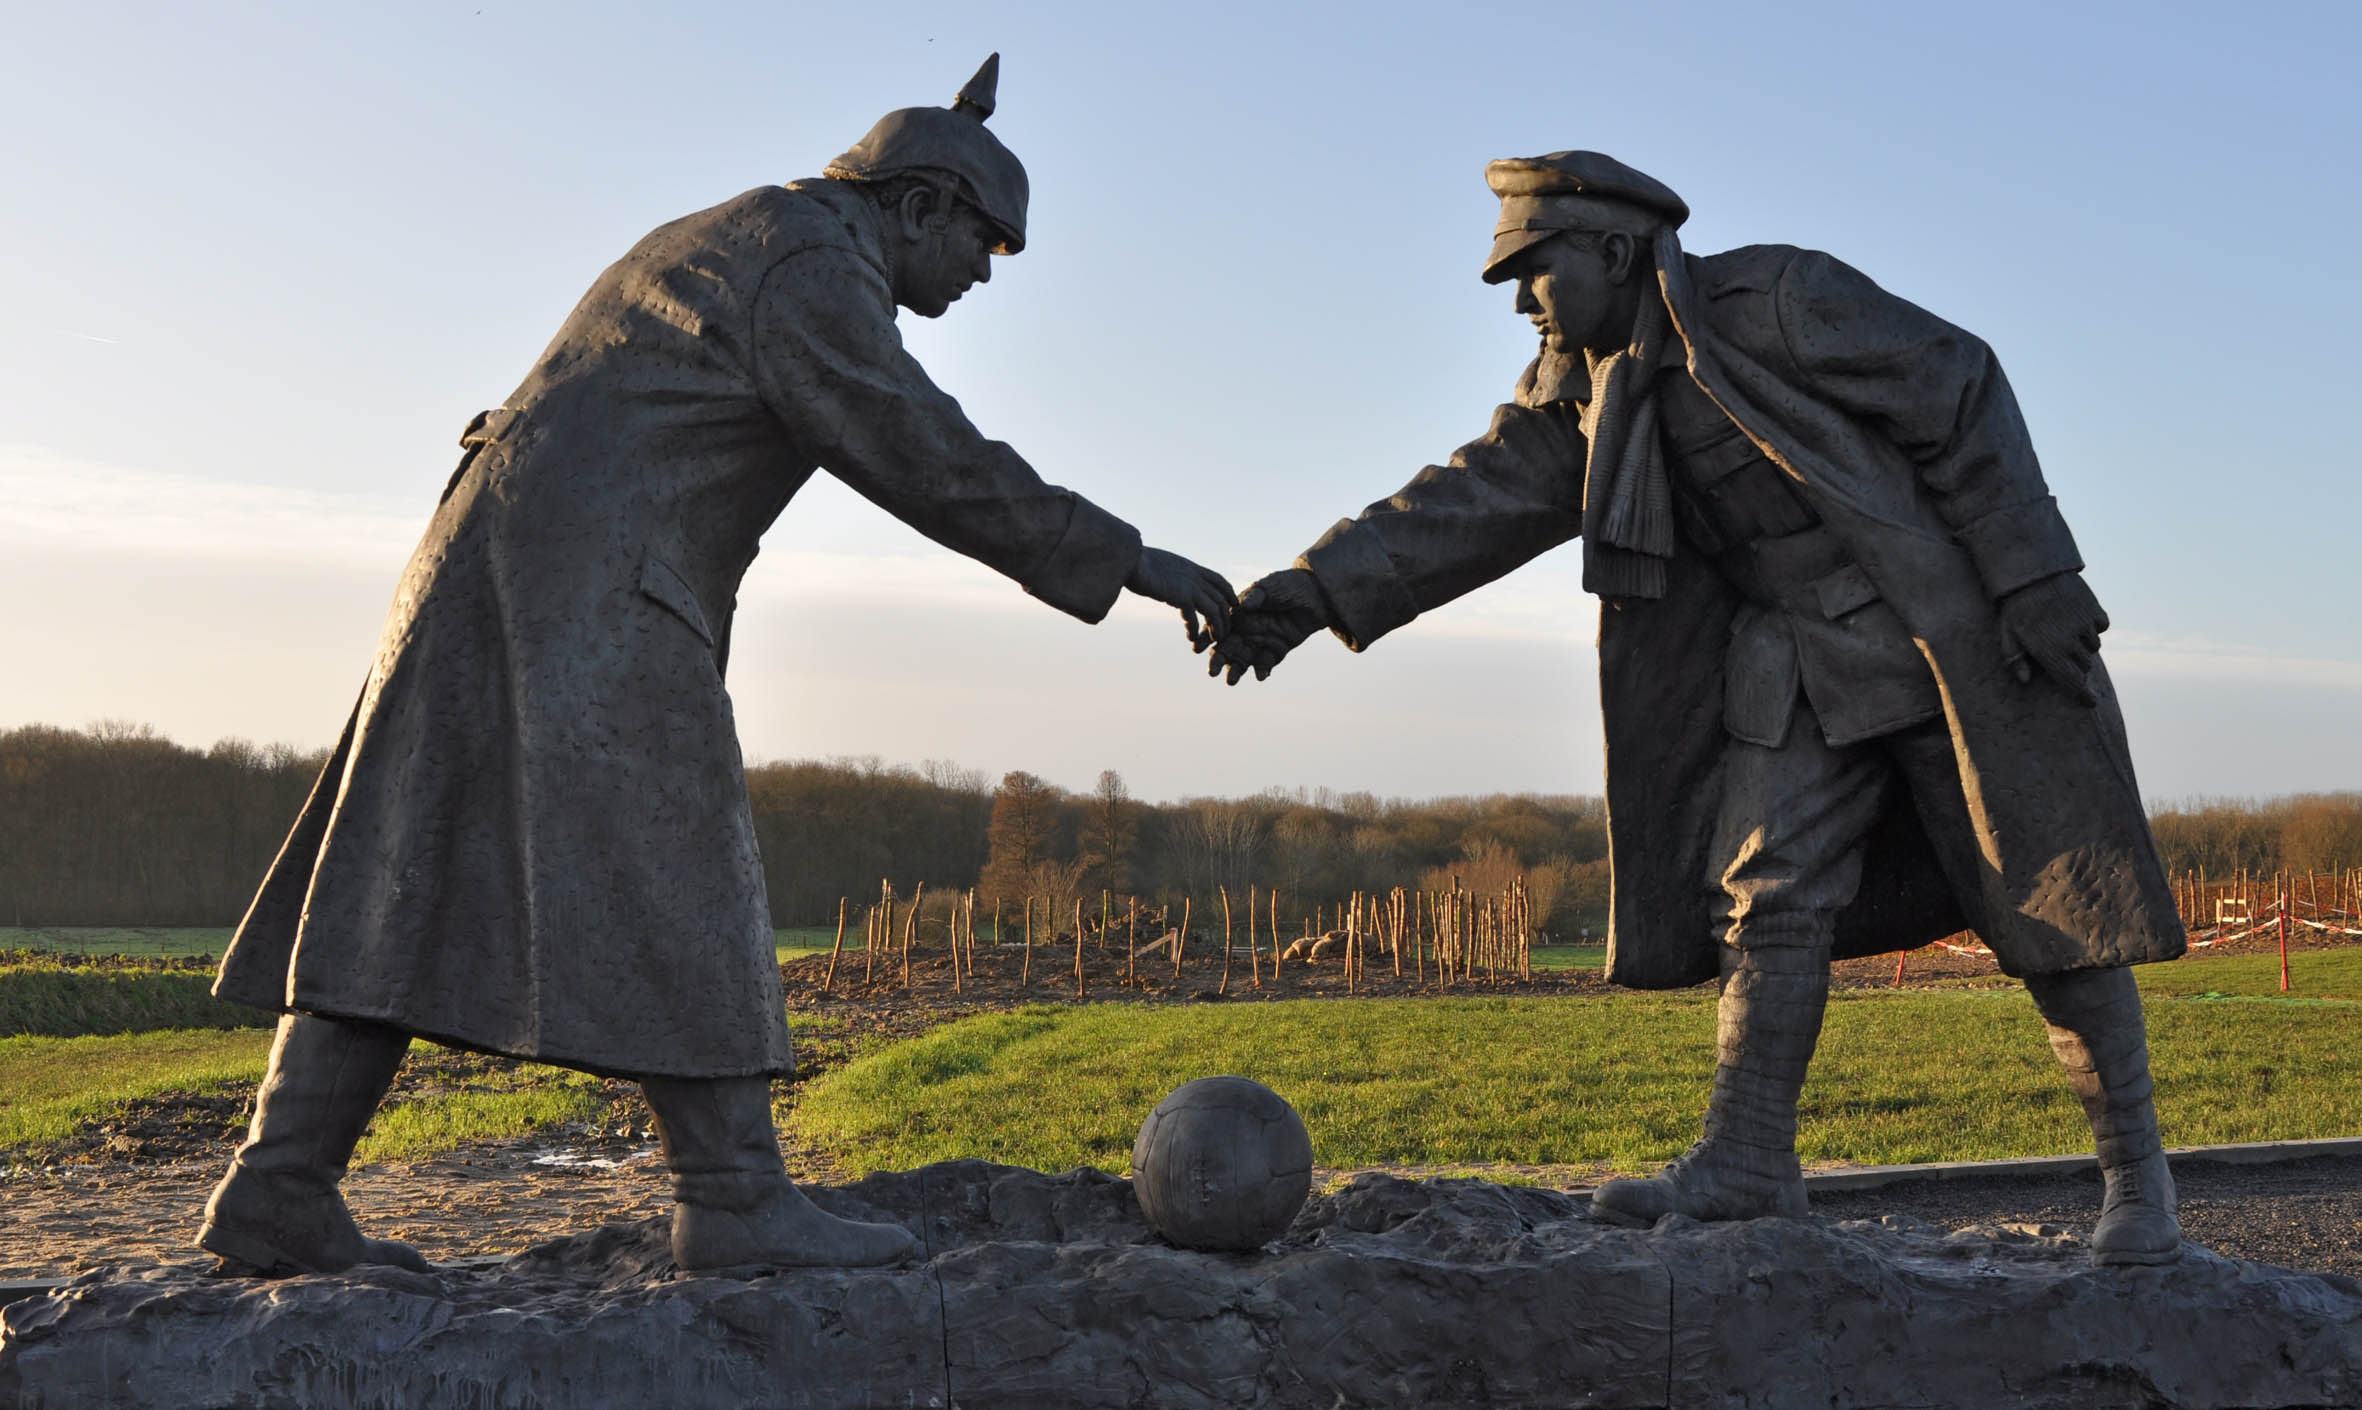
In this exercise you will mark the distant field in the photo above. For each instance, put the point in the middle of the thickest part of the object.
(1621, 1080)
(793, 942)
(67, 999)
(1557, 957)
(100, 940)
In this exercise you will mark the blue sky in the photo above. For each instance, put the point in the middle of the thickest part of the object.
(264, 262)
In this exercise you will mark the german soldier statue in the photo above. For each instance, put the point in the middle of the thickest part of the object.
(534, 837)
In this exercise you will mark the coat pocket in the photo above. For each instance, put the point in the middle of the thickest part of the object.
(1759, 679)
(662, 584)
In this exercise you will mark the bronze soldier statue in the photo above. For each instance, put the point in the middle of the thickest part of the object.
(534, 836)
(1849, 665)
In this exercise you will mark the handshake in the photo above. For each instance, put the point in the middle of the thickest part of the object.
(1255, 631)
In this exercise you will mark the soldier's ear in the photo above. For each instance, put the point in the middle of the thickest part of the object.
(1621, 254)
(926, 208)
(910, 213)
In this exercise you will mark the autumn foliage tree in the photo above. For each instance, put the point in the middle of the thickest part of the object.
(1022, 836)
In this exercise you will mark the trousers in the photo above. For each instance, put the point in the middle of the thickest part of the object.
(1794, 817)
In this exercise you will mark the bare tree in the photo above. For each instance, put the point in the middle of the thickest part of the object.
(1216, 843)
(1111, 828)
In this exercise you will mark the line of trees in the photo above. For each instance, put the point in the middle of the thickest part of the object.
(117, 825)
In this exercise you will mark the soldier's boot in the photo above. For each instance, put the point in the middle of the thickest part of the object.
(735, 1212)
(1745, 1167)
(2094, 1016)
(277, 1211)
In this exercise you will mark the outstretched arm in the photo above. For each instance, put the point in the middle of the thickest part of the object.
(829, 363)
(1503, 499)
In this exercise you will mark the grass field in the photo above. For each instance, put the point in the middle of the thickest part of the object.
(793, 942)
(493, 1105)
(2312, 974)
(1902, 1077)
(48, 998)
(1557, 957)
(50, 1085)
(106, 940)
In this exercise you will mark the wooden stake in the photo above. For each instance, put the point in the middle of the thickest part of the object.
(1227, 935)
(838, 948)
(951, 942)
(2287, 891)
(1352, 943)
(1254, 964)
(910, 930)
(1080, 989)
(1418, 951)
(1181, 939)
(1025, 975)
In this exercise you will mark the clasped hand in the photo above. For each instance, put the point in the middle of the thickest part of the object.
(1203, 595)
(1272, 619)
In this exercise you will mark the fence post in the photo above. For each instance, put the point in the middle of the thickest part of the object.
(834, 950)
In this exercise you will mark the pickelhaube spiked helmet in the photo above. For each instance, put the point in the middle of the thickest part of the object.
(950, 140)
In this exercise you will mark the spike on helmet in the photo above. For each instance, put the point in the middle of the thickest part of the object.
(951, 141)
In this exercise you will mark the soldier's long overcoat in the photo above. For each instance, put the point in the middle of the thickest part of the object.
(534, 836)
(1902, 433)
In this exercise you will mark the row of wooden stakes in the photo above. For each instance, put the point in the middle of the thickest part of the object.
(1462, 935)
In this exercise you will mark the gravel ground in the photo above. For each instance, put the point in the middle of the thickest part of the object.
(2297, 1214)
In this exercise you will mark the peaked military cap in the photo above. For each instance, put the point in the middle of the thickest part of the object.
(950, 140)
(1541, 196)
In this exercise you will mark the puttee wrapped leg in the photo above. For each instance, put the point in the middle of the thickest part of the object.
(1745, 1166)
(2097, 1030)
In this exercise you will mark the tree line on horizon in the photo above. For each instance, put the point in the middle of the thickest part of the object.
(117, 825)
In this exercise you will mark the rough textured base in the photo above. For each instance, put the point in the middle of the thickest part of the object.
(1049, 1291)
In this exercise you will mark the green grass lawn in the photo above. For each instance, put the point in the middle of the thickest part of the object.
(51, 1086)
(1557, 957)
(2312, 974)
(1620, 1080)
(108, 940)
(48, 1086)
(794, 942)
(498, 1105)
(67, 997)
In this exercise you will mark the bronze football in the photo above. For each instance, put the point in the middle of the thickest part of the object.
(1222, 1163)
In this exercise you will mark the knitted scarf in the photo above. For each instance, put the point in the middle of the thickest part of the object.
(1627, 495)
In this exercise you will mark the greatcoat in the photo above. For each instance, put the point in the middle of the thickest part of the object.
(1902, 434)
(534, 836)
